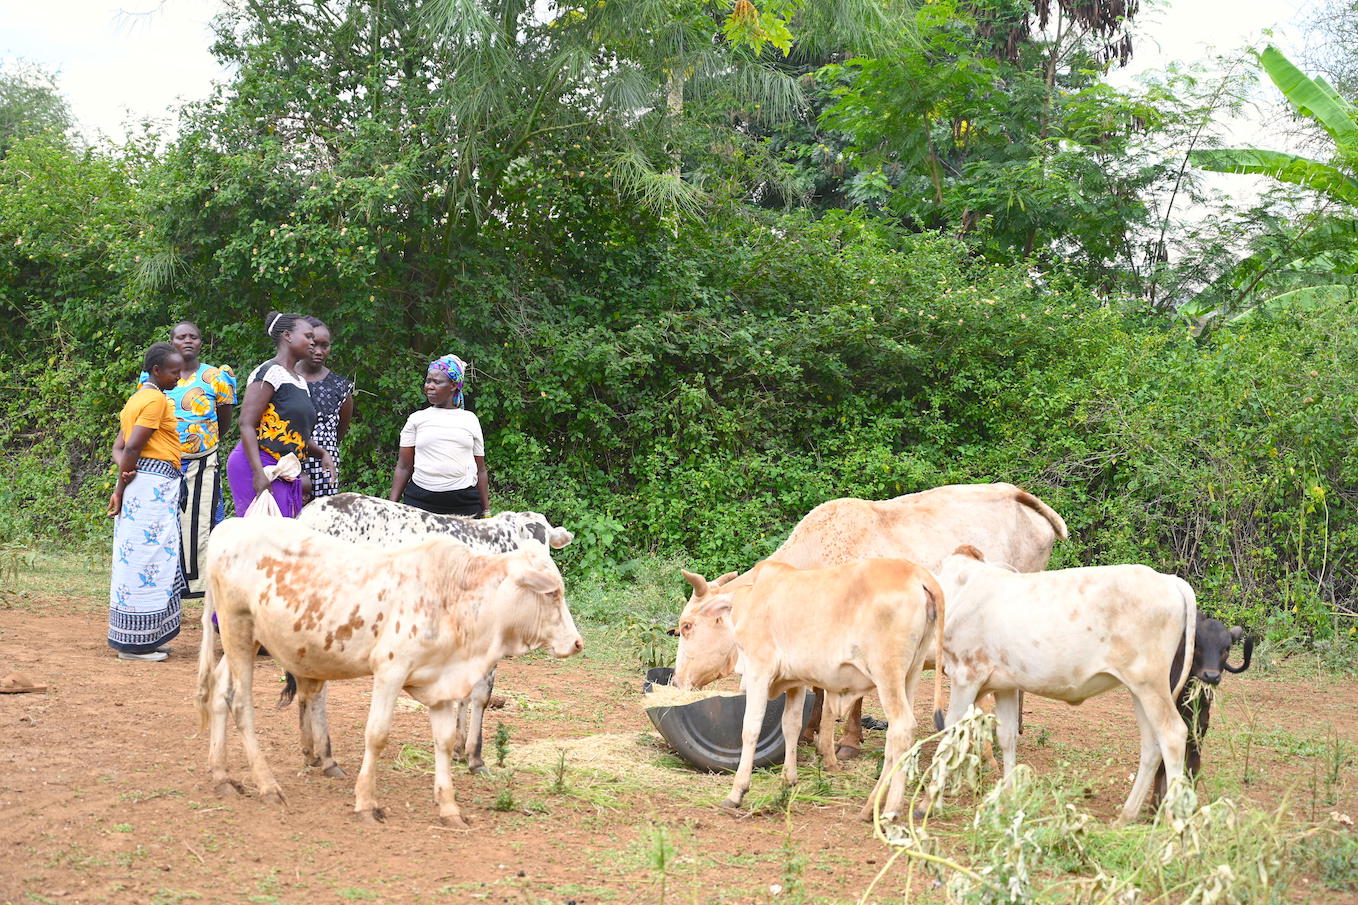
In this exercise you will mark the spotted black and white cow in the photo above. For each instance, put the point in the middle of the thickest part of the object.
(381, 523)
(373, 520)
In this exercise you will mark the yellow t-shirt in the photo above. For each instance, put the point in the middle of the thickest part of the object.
(152, 408)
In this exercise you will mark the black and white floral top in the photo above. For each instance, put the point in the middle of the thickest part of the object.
(289, 418)
(327, 395)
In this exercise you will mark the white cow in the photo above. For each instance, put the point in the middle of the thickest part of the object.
(1069, 635)
(429, 619)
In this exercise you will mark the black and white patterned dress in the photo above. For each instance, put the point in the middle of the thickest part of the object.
(328, 395)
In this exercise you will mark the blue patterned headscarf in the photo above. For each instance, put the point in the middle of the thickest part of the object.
(453, 367)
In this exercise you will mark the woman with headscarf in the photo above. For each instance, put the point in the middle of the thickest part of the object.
(442, 464)
(277, 418)
(148, 576)
(333, 396)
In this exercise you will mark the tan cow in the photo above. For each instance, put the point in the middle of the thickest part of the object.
(428, 619)
(1006, 523)
(847, 629)
(1070, 635)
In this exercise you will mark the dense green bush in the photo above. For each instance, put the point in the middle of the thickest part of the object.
(690, 390)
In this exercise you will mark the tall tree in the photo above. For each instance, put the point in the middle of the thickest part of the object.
(1020, 144)
(29, 104)
(1308, 263)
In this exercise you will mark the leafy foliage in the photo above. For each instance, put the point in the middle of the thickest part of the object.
(1316, 264)
(679, 388)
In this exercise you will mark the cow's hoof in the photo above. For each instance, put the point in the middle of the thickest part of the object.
(865, 815)
(831, 766)
(808, 737)
(374, 815)
(731, 804)
(312, 761)
(479, 770)
(228, 788)
(846, 752)
(454, 821)
(274, 797)
(335, 771)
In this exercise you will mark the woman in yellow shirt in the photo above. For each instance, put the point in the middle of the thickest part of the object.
(148, 579)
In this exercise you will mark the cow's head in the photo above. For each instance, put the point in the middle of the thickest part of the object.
(1212, 647)
(533, 599)
(534, 526)
(707, 643)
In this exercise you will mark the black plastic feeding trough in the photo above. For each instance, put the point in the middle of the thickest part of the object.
(706, 733)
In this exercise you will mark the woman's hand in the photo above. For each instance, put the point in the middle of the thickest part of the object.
(261, 483)
(328, 463)
(115, 503)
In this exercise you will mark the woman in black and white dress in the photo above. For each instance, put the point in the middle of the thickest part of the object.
(332, 395)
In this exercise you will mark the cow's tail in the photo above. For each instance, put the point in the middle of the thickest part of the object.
(206, 656)
(935, 611)
(289, 690)
(1190, 600)
(1058, 524)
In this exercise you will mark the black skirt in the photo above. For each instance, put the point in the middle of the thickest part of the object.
(466, 501)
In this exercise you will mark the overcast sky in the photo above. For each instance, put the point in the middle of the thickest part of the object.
(117, 67)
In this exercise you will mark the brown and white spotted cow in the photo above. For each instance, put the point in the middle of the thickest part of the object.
(1008, 524)
(1069, 635)
(429, 619)
(382, 523)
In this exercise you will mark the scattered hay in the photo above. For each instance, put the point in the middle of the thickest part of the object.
(624, 756)
(670, 696)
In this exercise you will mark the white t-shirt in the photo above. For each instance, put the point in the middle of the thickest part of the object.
(445, 441)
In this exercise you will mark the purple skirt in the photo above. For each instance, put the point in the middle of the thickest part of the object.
(241, 477)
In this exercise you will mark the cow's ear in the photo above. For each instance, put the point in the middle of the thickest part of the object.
(1237, 632)
(729, 576)
(715, 609)
(699, 583)
(969, 550)
(559, 537)
(537, 580)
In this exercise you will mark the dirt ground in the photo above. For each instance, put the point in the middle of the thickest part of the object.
(104, 792)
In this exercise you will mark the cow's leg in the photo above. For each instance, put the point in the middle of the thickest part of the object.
(386, 688)
(220, 704)
(825, 740)
(853, 731)
(756, 702)
(894, 688)
(962, 696)
(464, 709)
(792, 722)
(1163, 736)
(987, 705)
(239, 646)
(320, 730)
(1006, 720)
(443, 723)
(314, 726)
(812, 730)
(476, 714)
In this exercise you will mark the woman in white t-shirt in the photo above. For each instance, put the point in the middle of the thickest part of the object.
(442, 464)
